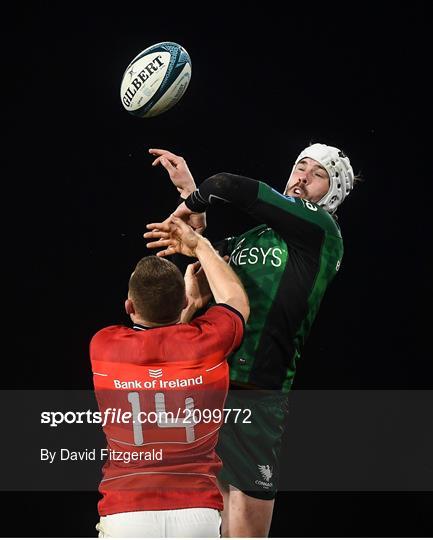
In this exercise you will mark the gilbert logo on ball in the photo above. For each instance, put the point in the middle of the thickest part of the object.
(156, 79)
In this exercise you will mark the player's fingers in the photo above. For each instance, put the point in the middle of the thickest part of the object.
(159, 243)
(156, 234)
(180, 226)
(157, 160)
(178, 221)
(167, 164)
(157, 151)
(159, 226)
(166, 153)
(195, 267)
(191, 269)
(200, 272)
(166, 252)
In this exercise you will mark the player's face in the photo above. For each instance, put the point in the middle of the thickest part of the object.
(309, 181)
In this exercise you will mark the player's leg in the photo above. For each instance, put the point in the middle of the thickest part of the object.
(225, 516)
(250, 454)
(247, 516)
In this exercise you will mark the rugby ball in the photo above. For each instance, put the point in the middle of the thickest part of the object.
(156, 79)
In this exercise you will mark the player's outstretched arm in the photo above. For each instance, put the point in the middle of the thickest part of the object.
(177, 169)
(182, 179)
(175, 236)
(295, 219)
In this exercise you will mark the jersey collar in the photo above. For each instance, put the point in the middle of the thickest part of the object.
(138, 326)
(141, 327)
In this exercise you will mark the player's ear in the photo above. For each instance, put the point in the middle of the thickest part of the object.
(129, 307)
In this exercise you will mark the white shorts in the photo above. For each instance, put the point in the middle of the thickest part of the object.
(184, 523)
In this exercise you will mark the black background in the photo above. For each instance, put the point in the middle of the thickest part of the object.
(265, 82)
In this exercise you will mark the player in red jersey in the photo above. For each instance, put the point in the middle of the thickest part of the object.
(161, 387)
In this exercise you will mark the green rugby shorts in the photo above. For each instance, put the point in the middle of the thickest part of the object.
(250, 451)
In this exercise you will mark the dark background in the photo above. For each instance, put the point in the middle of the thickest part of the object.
(265, 82)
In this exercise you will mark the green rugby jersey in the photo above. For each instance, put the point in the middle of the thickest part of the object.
(285, 265)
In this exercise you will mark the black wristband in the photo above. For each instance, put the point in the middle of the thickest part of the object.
(196, 203)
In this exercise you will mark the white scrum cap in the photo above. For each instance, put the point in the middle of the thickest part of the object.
(339, 170)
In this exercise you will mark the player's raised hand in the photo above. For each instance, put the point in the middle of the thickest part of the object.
(175, 236)
(177, 169)
(196, 286)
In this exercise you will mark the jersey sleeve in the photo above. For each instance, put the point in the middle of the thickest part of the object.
(224, 323)
(298, 221)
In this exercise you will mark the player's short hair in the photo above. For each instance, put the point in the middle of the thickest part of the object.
(157, 289)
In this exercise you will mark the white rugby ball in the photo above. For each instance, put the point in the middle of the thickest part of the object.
(156, 79)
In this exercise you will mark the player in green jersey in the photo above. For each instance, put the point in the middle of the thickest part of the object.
(285, 265)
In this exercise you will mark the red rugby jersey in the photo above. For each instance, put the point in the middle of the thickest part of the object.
(161, 392)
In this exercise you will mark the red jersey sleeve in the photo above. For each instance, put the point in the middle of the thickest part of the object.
(226, 322)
